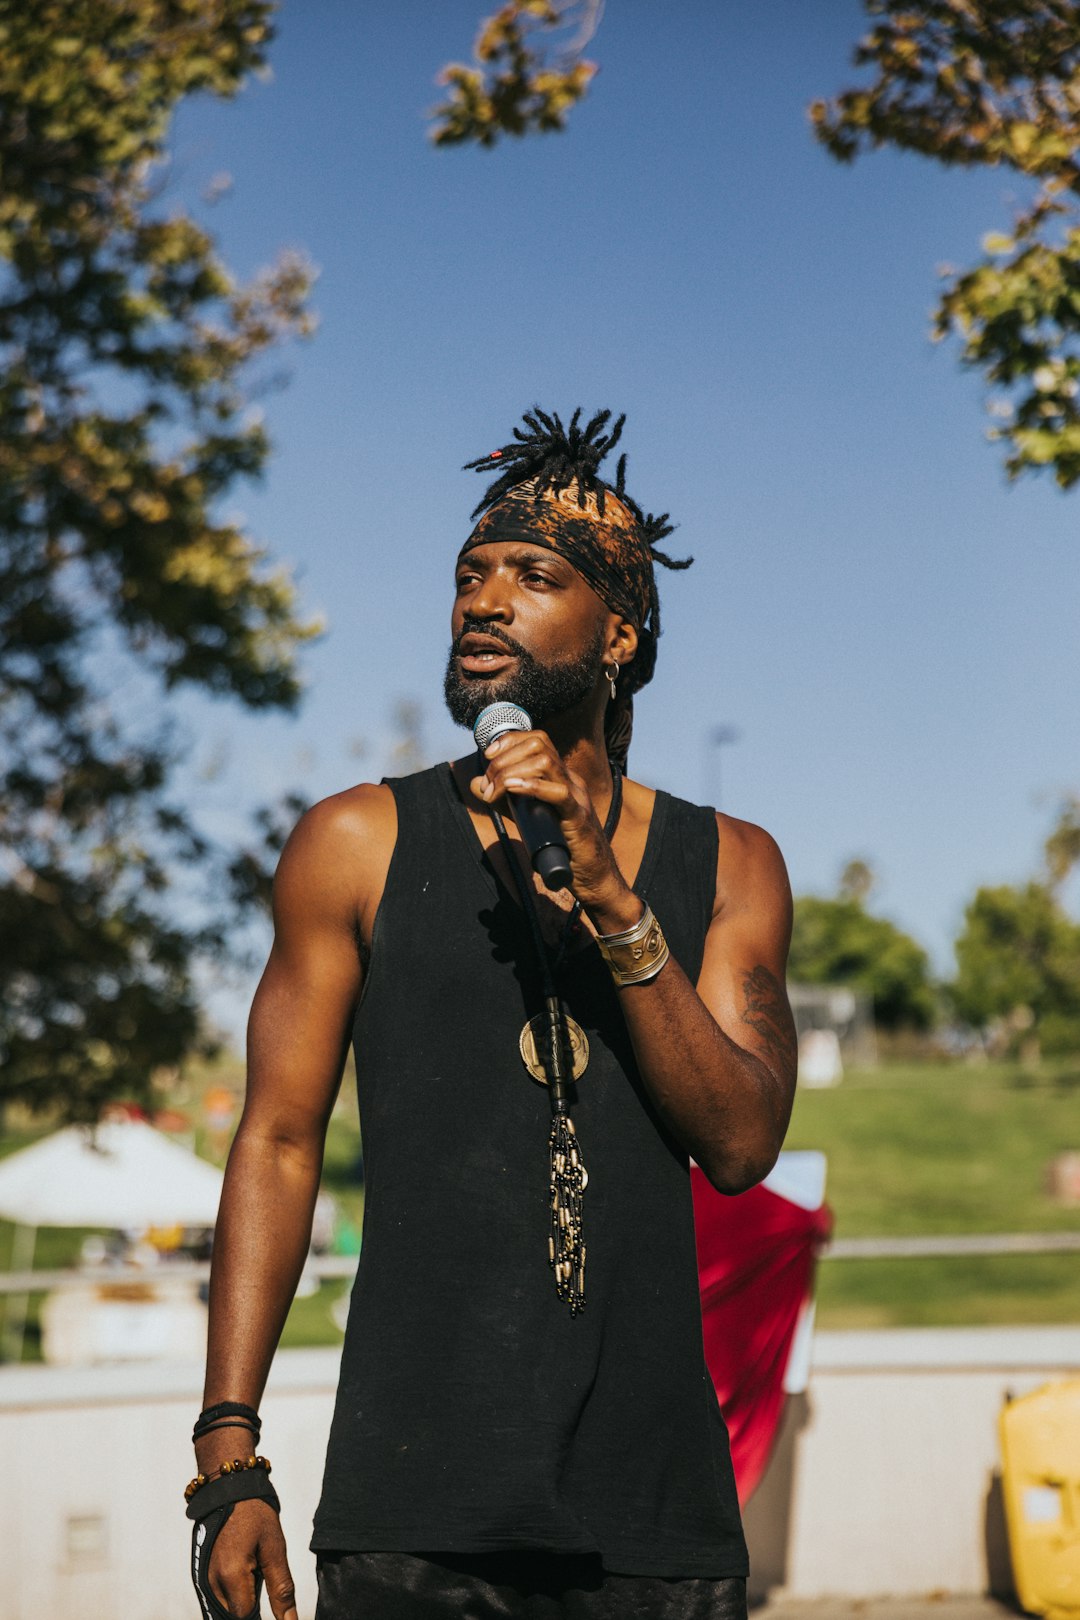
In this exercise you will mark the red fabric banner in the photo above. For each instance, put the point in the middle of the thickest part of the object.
(756, 1268)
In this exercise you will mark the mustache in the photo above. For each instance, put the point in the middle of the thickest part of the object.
(480, 628)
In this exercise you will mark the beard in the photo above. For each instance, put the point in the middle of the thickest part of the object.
(543, 690)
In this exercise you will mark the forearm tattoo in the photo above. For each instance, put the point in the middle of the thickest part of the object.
(767, 1012)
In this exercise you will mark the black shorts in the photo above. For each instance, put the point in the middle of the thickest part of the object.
(526, 1585)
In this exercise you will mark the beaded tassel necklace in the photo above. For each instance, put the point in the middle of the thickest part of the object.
(563, 1053)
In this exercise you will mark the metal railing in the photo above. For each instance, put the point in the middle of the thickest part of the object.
(327, 1267)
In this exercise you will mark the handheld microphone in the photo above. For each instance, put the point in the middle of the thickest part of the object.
(537, 824)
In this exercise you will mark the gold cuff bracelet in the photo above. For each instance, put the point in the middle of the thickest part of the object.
(638, 953)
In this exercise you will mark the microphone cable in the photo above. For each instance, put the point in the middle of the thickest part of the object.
(568, 1175)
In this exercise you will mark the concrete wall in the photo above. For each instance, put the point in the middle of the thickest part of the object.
(883, 1480)
(886, 1475)
(95, 1461)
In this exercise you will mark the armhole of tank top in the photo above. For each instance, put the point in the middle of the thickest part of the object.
(376, 928)
(713, 842)
(663, 804)
(699, 830)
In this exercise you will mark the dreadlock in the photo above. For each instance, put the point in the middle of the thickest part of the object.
(553, 455)
(545, 458)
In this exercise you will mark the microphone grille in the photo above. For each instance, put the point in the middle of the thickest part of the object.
(496, 718)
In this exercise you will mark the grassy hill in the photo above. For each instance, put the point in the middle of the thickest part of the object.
(920, 1149)
(945, 1149)
(912, 1150)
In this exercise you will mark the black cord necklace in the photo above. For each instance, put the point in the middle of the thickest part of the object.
(555, 1050)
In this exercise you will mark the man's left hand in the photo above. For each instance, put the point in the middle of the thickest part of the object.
(529, 764)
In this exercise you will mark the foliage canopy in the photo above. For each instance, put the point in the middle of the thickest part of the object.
(124, 344)
(512, 88)
(997, 83)
(992, 83)
(1018, 966)
(840, 942)
(1018, 954)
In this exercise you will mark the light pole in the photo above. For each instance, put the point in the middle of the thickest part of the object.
(716, 737)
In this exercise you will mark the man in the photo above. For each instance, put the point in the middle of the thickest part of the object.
(524, 1423)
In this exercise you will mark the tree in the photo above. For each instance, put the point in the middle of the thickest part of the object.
(1018, 954)
(513, 88)
(1062, 847)
(1018, 965)
(125, 345)
(965, 82)
(993, 83)
(839, 942)
(857, 880)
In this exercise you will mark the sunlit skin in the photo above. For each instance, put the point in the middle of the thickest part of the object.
(718, 1057)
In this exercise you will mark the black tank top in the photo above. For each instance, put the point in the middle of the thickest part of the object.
(474, 1413)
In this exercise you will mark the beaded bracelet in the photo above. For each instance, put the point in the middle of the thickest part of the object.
(237, 1466)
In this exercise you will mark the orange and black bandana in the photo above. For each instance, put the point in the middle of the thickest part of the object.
(608, 549)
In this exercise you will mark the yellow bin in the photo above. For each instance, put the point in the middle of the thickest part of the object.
(1040, 1445)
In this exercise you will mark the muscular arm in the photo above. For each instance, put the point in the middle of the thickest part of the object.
(718, 1058)
(325, 890)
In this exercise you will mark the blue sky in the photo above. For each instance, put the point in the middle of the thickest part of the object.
(889, 626)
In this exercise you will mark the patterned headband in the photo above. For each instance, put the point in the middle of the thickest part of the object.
(608, 550)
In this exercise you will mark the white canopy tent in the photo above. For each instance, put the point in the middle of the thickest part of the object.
(120, 1175)
(123, 1175)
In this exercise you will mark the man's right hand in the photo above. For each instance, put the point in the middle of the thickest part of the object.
(251, 1540)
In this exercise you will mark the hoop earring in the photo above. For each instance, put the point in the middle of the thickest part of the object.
(612, 677)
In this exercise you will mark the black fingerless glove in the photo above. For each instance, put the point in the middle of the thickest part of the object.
(211, 1507)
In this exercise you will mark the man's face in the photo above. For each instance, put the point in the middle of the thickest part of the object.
(526, 629)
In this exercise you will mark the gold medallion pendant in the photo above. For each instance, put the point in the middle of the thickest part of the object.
(530, 1045)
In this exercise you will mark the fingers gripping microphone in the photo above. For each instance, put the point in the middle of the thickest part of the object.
(537, 824)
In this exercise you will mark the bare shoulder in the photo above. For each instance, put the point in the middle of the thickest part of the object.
(343, 824)
(336, 858)
(750, 870)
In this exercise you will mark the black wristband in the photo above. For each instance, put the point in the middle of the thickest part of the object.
(227, 1423)
(237, 1409)
(240, 1486)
